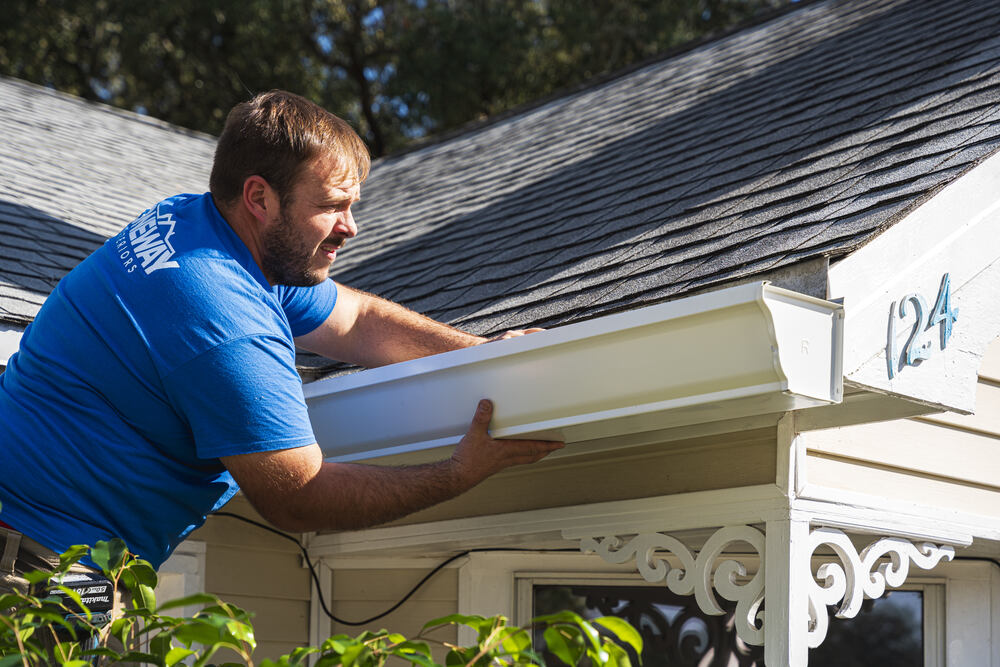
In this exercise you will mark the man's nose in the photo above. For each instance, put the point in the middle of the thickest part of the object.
(346, 225)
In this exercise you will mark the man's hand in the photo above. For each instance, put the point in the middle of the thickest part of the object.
(478, 455)
(513, 333)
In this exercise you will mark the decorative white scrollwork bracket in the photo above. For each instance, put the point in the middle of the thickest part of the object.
(845, 583)
(695, 572)
(860, 575)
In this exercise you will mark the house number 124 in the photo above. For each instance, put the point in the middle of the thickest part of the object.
(920, 343)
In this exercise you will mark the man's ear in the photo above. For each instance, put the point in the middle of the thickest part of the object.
(260, 198)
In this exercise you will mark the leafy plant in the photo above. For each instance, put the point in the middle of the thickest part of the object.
(53, 626)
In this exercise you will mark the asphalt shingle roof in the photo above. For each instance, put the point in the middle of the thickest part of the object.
(72, 173)
(800, 138)
(794, 140)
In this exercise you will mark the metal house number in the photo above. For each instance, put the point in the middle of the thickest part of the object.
(920, 343)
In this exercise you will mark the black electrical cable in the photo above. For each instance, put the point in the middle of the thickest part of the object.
(319, 589)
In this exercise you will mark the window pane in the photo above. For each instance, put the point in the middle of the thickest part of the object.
(887, 633)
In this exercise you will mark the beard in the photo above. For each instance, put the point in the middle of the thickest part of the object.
(287, 259)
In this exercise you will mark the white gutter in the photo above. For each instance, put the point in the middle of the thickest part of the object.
(10, 340)
(747, 350)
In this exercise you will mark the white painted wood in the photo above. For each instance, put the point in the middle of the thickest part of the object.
(916, 446)
(786, 613)
(843, 478)
(320, 625)
(788, 446)
(699, 573)
(10, 339)
(995, 596)
(934, 596)
(751, 504)
(955, 232)
(969, 611)
(624, 373)
(853, 577)
(903, 517)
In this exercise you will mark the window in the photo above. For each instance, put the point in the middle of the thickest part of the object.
(889, 632)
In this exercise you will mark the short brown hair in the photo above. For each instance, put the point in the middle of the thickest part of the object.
(273, 136)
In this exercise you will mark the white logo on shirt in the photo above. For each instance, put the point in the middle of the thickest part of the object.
(148, 238)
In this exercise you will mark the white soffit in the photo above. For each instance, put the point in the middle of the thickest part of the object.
(747, 350)
(955, 233)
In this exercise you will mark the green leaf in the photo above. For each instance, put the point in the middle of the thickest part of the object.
(474, 622)
(617, 656)
(459, 657)
(416, 658)
(560, 617)
(416, 647)
(37, 577)
(143, 572)
(515, 640)
(242, 632)
(10, 660)
(623, 630)
(176, 654)
(354, 654)
(197, 632)
(565, 642)
(189, 601)
(109, 556)
(11, 600)
(72, 556)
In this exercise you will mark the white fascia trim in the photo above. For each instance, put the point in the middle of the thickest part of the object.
(685, 511)
(10, 340)
(747, 350)
(853, 513)
(954, 232)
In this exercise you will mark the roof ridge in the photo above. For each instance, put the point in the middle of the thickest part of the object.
(106, 108)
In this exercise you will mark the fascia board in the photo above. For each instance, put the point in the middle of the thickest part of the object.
(955, 232)
(746, 350)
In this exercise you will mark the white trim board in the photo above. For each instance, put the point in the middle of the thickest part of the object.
(564, 526)
(955, 232)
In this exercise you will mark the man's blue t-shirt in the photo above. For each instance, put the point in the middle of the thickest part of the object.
(161, 352)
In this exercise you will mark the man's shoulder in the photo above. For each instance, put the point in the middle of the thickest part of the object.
(182, 275)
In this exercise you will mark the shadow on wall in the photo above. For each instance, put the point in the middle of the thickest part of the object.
(36, 251)
(631, 222)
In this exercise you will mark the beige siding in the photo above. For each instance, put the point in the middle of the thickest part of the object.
(361, 594)
(653, 470)
(897, 484)
(989, 368)
(948, 460)
(261, 573)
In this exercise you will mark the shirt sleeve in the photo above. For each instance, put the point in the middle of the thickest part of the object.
(307, 307)
(240, 397)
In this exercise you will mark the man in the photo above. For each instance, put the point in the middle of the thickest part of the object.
(159, 377)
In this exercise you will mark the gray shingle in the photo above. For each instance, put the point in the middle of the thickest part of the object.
(796, 139)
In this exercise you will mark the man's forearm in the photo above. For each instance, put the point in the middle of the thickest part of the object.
(370, 331)
(347, 496)
(394, 333)
(296, 490)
